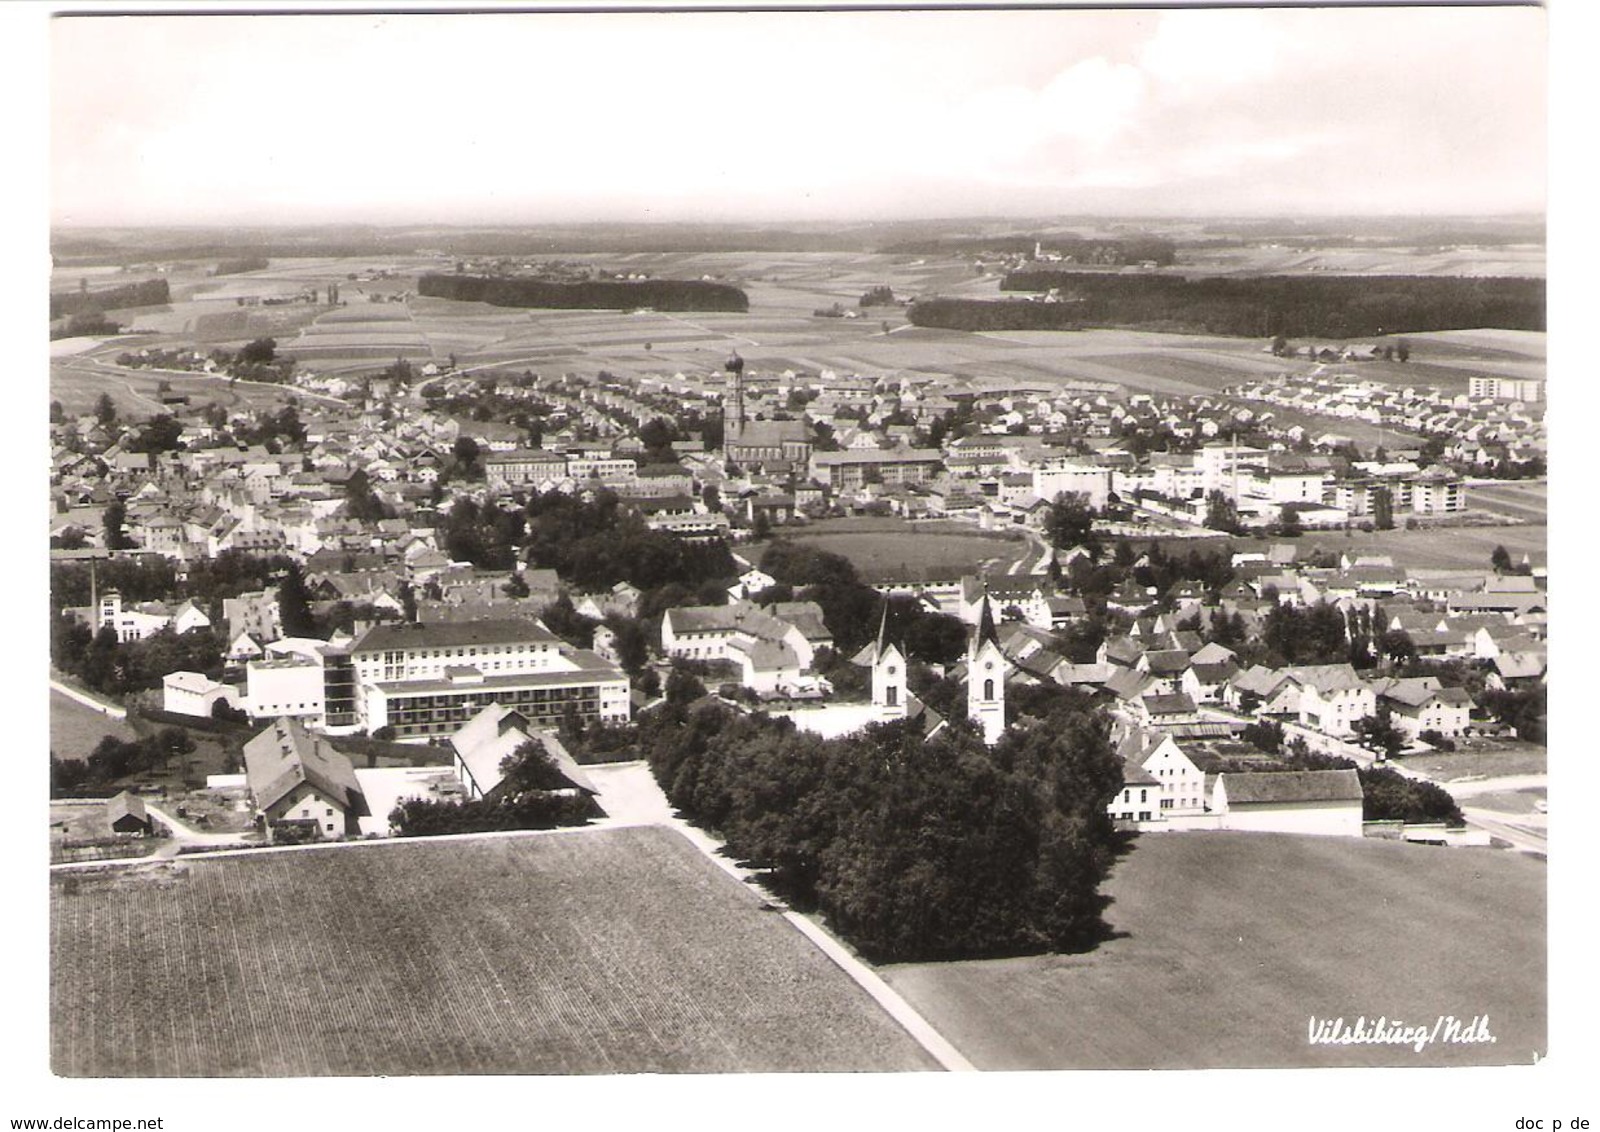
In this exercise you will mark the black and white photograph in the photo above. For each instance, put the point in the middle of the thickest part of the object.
(726, 545)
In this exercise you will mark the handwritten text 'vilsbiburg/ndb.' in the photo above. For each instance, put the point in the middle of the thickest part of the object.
(1382, 1031)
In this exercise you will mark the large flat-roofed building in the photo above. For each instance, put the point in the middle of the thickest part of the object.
(426, 680)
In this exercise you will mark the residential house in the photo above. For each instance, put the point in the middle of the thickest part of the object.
(297, 777)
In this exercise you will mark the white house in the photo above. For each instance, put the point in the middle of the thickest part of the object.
(295, 776)
(192, 693)
(1332, 697)
(1422, 704)
(1159, 780)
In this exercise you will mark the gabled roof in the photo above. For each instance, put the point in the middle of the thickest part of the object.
(1326, 678)
(1176, 704)
(1127, 683)
(1123, 650)
(1269, 787)
(494, 734)
(805, 616)
(1259, 680)
(1519, 665)
(1213, 653)
(1167, 662)
(285, 755)
(1214, 673)
(126, 805)
(1412, 692)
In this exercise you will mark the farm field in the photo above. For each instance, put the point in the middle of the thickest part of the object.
(1490, 758)
(779, 332)
(895, 545)
(1234, 941)
(1441, 548)
(611, 951)
(77, 383)
(949, 553)
(75, 729)
(1526, 501)
(1514, 260)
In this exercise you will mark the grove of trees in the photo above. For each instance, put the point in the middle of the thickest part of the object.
(914, 850)
(1324, 306)
(594, 294)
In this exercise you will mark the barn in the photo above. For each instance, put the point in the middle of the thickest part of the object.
(1322, 802)
(126, 814)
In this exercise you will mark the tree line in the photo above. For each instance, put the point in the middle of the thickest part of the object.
(1323, 306)
(597, 294)
(149, 293)
(1115, 251)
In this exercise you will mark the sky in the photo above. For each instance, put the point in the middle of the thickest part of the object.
(529, 117)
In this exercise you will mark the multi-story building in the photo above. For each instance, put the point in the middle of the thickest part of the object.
(844, 471)
(1062, 474)
(288, 686)
(613, 471)
(524, 468)
(1506, 388)
(425, 680)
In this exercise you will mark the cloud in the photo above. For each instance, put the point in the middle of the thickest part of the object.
(773, 113)
(1193, 49)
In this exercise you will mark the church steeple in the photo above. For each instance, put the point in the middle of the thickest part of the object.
(986, 630)
(733, 399)
(889, 692)
(986, 676)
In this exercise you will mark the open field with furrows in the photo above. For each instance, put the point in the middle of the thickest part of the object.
(1227, 944)
(616, 951)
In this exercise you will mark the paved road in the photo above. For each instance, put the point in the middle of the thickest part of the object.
(1503, 784)
(1522, 836)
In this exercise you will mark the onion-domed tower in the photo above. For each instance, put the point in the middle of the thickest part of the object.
(733, 399)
